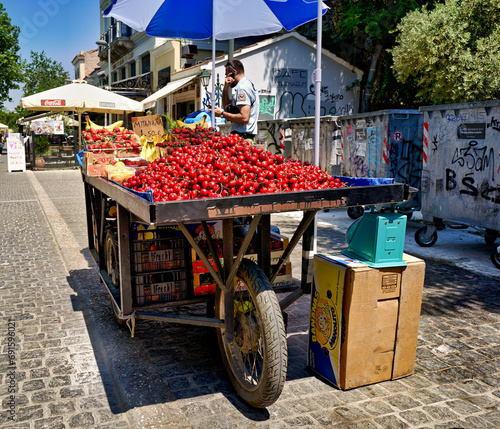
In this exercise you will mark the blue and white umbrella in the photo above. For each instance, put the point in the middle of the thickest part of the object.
(221, 20)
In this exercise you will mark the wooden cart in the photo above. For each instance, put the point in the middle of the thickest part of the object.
(244, 310)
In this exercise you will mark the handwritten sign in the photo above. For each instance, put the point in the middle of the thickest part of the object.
(148, 126)
(15, 153)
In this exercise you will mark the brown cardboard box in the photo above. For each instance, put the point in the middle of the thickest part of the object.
(380, 312)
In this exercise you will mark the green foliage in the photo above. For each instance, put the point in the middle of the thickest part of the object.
(42, 73)
(452, 52)
(355, 30)
(10, 59)
(170, 122)
(42, 146)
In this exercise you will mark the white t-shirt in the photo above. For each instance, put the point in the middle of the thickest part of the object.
(244, 93)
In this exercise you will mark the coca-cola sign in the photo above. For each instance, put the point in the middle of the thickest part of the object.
(54, 103)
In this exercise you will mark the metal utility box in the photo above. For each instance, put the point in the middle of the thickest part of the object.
(330, 147)
(461, 164)
(385, 143)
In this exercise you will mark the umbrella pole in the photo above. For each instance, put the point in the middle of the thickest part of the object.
(317, 106)
(212, 95)
(79, 129)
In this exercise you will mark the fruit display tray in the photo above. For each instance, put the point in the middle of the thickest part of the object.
(227, 207)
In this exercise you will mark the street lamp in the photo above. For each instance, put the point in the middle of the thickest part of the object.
(107, 45)
(205, 79)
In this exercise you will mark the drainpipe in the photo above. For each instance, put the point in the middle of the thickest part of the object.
(365, 104)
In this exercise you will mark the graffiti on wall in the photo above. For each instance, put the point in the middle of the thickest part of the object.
(471, 170)
(295, 95)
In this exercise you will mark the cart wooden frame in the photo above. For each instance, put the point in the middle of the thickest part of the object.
(132, 207)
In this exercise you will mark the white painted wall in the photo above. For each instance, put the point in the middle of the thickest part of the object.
(282, 74)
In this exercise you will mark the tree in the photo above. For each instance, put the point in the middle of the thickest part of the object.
(10, 59)
(42, 74)
(451, 51)
(362, 32)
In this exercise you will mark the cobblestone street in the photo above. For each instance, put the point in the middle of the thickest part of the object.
(66, 363)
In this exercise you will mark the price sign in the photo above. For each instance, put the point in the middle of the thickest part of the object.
(148, 126)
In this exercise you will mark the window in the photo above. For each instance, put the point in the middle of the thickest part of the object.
(132, 69)
(146, 64)
(123, 73)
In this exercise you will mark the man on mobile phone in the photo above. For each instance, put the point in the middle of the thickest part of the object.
(243, 108)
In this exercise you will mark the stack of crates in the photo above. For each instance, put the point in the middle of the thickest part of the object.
(204, 283)
(159, 264)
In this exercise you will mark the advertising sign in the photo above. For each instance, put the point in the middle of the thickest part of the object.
(15, 153)
(47, 127)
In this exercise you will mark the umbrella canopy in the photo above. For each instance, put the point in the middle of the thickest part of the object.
(231, 19)
(216, 19)
(79, 96)
(3, 127)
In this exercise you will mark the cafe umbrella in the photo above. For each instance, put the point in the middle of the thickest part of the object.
(221, 20)
(78, 96)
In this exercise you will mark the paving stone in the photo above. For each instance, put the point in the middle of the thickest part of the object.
(44, 396)
(415, 418)
(440, 412)
(403, 402)
(82, 420)
(391, 422)
(376, 408)
(50, 423)
(29, 413)
(29, 386)
(71, 392)
(462, 407)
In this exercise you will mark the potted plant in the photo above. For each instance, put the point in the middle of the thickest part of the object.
(42, 145)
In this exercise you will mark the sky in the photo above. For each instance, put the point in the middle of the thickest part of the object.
(60, 28)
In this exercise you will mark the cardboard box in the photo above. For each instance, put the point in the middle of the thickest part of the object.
(364, 321)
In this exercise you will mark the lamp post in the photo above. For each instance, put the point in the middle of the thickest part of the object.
(108, 46)
(205, 80)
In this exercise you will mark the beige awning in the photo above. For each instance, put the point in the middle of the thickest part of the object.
(169, 88)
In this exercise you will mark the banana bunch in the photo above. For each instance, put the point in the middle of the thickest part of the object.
(92, 125)
(201, 123)
(168, 138)
(148, 151)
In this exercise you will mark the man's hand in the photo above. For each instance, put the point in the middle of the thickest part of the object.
(217, 111)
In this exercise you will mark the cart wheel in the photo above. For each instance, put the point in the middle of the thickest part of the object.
(490, 236)
(423, 239)
(113, 268)
(495, 257)
(256, 360)
(111, 257)
(355, 212)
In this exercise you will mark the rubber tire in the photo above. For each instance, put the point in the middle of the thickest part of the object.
(490, 236)
(355, 212)
(112, 268)
(419, 238)
(272, 339)
(495, 258)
